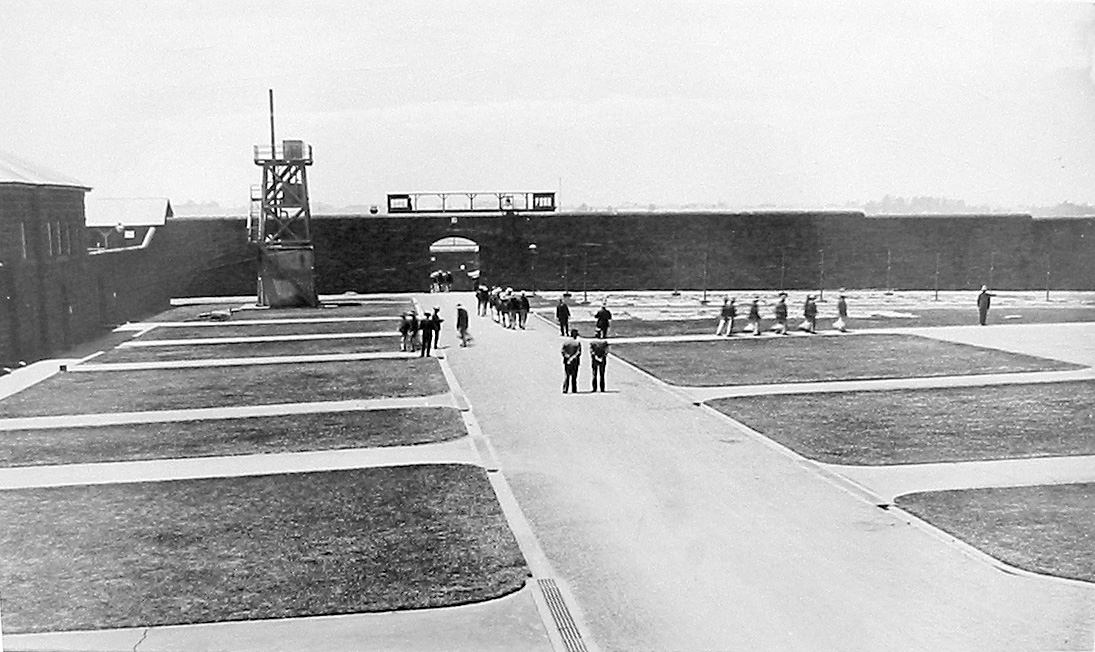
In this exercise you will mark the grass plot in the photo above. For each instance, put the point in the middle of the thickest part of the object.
(94, 392)
(750, 361)
(214, 437)
(926, 425)
(1045, 529)
(161, 553)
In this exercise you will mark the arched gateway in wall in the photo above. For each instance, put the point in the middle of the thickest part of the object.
(457, 255)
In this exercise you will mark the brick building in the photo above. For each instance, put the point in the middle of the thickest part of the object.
(42, 261)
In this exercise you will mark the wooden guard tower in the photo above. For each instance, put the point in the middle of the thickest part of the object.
(280, 224)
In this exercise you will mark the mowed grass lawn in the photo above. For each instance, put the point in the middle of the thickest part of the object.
(748, 361)
(278, 546)
(926, 425)
(249, 436)
(367, 308)
(1045, 529)
(228, 329)
(248, 350)
(95, 392)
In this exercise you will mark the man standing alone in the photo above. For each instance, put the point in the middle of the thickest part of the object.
(462, 324)
(562, 315)
(522, 310)
(604, 318)
(572, 357)
(983, 301)
(598, 356)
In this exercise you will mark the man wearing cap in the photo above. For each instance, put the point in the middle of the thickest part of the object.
(436, 318)
(426, 326)
(462, 324)
(562, 315)
(572, 358)
(983, 301)
(841, 323)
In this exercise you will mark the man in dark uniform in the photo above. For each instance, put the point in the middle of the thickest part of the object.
(604, 318)
(572, 358)
(523, 308)
(425, 325)
(462, 324)
(983, 301)
(436, 325)
(598, 356)
(562, 315)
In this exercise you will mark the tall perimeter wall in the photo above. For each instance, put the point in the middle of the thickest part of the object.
(662, 251)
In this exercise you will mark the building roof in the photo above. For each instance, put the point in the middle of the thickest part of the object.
(14, 170)
(127, 211)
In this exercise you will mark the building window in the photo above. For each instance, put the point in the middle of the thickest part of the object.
(49, 237)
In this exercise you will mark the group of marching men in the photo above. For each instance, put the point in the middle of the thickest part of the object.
(729, 312)
(505, 307)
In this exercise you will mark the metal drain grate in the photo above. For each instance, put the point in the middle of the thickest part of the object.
(572, 638)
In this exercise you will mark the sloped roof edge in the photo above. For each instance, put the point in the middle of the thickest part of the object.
(15, 170)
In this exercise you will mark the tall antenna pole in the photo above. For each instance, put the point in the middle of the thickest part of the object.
(272, 124)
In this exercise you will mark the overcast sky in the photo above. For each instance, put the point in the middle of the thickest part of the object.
(791, 103)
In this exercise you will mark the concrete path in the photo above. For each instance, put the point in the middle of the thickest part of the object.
(1073, 342)
(678, 530)
(700, 394)
(146, 325)
(508, 624)
(232, 412)
(460, 451)
(888, 482)
(237, 362)
(254, 339)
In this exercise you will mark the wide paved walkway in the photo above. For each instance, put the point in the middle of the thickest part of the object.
(677, 529)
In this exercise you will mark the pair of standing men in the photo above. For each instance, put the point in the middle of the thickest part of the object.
(572, 359)
(603, 317)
